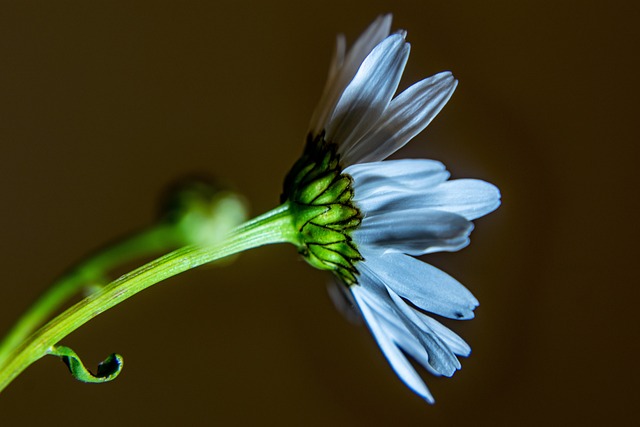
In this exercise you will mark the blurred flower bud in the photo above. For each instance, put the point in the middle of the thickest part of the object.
(201, 210)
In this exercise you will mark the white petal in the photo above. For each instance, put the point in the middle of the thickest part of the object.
(422, 284)
(337, 60)
(370, 38)
(330, 92)
(406, 327)
(369, 93)
(441, 358)
(396, 358)
(453, 341)
(410, 344)
(470, 198)
(408, 114)
(343, 301)
(389, 321)
(343, 69)
(424, 322)
(414, 232)
(379, 301)
(391, 176)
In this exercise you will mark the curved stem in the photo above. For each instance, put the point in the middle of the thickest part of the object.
(272, 227)
(90, 271)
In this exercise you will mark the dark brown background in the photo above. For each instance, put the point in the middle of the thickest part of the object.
(103, 103)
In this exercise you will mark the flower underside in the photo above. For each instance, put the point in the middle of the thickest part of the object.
(320, 198)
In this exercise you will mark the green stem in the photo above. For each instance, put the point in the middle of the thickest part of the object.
(273, 227)
(91, 271)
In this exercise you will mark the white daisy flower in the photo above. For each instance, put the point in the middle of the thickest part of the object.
(365, 219)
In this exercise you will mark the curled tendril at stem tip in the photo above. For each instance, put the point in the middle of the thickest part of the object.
(108, 369)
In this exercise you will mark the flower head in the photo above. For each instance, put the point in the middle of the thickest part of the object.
(365, 219)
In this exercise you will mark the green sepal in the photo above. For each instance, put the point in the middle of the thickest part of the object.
(320, 198)
(314, 233)
(317, 158)
(337, 214)
(339, 191)
(107, 371)
(294, 180)
(347, 225)
(326, 259)
(340, 257)
(330, 256)
(346, 248)
(316, 188)
(305, 214)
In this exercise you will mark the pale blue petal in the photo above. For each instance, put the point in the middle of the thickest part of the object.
(406, 327)
(394, 355)
(408, 114)
(343, 69)
(422, 284)
(451, 339)
(343, 301)
(369, 93)
(470, 198)
(410, 345)
(392, 176)
(414, 232)
(441, 358)
(423, 321)
(337, 61)
(389, 321)
(369, 39)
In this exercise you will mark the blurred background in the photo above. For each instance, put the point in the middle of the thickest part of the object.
(102, 104)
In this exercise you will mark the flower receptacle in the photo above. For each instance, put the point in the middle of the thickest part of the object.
(320, 199)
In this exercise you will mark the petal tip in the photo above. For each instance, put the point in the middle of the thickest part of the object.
(428, 398)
